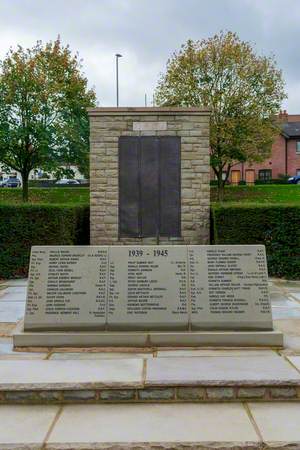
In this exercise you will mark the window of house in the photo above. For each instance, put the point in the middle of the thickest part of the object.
(265, 174)
(149, 186)
(298, 147)
(298, 172)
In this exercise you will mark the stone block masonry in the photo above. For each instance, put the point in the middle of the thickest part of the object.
(165, 394)
(107, 125)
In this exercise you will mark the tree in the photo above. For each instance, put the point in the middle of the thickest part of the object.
(243, 90)
(43, 118)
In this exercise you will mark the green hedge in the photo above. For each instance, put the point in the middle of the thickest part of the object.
(275, 226)
(272, 181)
(22, 226)
(51, 183)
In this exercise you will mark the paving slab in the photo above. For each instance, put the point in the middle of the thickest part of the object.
(11, 312)
(291, 344)
(288, 326)
(277, 294)
(293, 286)
(7, 296)
(295, 360)
(16, 289)
(214, 352)
(287, 283)
(284, 301)
(281, 312)
(98, 355)
(23, 426)
(16, 282)
(7, 329)
(291, 333)
(44, 374)
(243, 370)
(7, 351)
(150, 423)
(278, 422)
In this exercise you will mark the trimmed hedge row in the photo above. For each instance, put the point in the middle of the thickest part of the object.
(281, 180)
(275, 226)
(22, 226)
(51, 183)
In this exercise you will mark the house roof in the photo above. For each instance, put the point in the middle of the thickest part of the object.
(291, 129)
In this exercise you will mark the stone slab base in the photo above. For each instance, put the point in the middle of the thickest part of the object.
(154, 446)
(179, 394)
(151, 339)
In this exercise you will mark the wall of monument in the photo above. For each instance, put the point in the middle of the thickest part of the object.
(107, 125)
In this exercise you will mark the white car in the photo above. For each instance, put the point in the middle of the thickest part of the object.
(67, 181)
(10, 182)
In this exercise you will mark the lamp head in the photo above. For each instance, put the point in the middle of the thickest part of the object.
(118, 55)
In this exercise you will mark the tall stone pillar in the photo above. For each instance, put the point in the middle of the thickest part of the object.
(109, 127)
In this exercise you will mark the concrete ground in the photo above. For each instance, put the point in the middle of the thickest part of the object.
(160, 426)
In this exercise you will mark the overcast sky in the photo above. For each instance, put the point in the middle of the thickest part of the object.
(147, 32)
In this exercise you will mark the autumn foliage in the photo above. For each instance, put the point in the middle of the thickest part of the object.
(43, 101)
(244, 91)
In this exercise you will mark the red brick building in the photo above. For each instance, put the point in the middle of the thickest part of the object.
(284, 159)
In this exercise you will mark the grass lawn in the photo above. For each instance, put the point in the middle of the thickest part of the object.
(260, 194)
(46, 195)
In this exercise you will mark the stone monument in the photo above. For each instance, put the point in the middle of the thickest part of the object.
(149, 185)
(148, 296)
(149, 175)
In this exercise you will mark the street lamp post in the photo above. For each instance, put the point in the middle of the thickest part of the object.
(117, 75)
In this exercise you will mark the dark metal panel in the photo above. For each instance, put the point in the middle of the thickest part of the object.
(129, 186)
(149, 186)
(170, 186)
(149, 154)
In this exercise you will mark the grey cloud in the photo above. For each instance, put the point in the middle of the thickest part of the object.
(147, 32)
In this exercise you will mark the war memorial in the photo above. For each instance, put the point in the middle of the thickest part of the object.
(151, 337)
(149, 277)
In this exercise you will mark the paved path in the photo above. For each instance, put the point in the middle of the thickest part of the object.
(167, 426)
(254, 425)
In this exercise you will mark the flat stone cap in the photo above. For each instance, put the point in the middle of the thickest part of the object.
(164, 110)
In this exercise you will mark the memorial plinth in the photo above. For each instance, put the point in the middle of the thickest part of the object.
(148, 296)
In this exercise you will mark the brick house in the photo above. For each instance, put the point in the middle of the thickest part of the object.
(284, 159)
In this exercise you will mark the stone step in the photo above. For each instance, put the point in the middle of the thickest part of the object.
(220, 426)
(147, 339)
(265, 377)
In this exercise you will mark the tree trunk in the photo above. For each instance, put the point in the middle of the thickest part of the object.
(25, 177)
(221, 184)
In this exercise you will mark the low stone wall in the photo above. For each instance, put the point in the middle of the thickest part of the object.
(179, 394)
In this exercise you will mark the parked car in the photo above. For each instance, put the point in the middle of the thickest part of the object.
(84, 181)
(67, 181)
(10, 182)
(294, 180)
